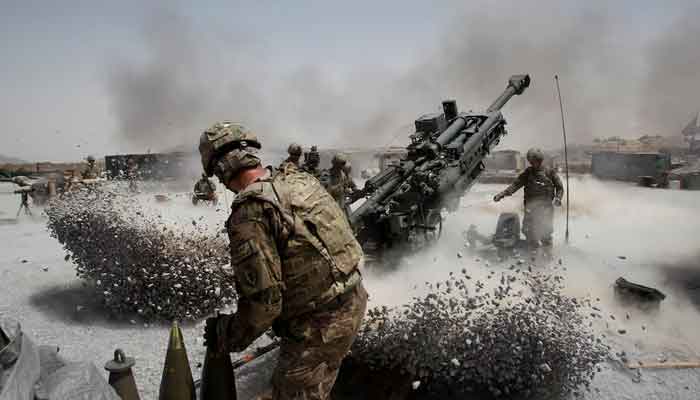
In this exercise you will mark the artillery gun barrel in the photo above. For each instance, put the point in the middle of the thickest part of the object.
(516, 85)
(451, 132)
(381, 193)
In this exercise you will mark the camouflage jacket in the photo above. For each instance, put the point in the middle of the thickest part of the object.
(289, 163)
(205, 186)
(292, 250)
(337, 184)
(539, 184)
(91, 172)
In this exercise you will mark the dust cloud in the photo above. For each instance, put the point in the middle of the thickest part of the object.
(616, 230)
(671, 92)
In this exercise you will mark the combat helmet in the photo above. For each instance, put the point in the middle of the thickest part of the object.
(90, 159)
(226, 148)
(535, 154)
(339, 160)
(294, 150)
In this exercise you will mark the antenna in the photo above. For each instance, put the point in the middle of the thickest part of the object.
(566, 156)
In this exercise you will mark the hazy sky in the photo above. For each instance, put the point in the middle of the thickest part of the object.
(89, 77)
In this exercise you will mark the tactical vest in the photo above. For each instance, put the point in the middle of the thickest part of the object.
(539, 185)
(320, 256)
(336, 184)
(90, 173)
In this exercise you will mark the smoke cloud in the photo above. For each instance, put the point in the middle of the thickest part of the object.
(671, 94)
(191, 78)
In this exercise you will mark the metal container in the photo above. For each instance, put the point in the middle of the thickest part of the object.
(630, 166)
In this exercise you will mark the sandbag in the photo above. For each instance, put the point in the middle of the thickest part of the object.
(77, 381)
(30, 372)
(20, 364)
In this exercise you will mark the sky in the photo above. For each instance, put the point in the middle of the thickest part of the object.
(90, 77)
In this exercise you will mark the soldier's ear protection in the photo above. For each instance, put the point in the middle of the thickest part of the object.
(238, 156)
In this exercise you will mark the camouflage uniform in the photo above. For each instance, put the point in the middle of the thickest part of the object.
(311, 161)
(206, 186)
(132, 172)
(295, 261)
(296, 271)
(292, 161)
(542, 185)
(91, 171)
(336, 183)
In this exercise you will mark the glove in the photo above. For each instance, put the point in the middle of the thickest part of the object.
(498, 197)
(556, 202)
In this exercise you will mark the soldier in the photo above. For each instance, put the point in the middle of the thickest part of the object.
(132, 173)
(336, 181)
(207, 188)
(294, 151)
(311, 161)
(68, 178)
(91, 171)
(543, 192)
(296, 266)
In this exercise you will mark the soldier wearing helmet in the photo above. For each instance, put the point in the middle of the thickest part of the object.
(294, 151)
(132, 174)
(91, 171)
(295, 262)
(543, 192)
(205, 190)
(336, 180)
(312, 159)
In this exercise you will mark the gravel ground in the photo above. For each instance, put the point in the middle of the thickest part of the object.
(649, 228)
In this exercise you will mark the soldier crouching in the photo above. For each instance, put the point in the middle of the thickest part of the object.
(295, 262)
(543, 191)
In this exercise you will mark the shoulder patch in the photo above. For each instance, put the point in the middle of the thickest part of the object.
(242, 252)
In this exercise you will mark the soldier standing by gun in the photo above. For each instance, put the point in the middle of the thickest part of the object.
(91, 171)
(336, 181)
(207, 188)
(311, 161)
(294, 151)
(295, 262)
(543, 192)
(132, 172)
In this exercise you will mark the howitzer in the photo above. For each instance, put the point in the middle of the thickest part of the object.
(443, 160)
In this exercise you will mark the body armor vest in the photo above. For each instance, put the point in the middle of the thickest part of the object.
(320, 255)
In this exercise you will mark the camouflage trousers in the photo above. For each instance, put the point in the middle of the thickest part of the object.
(307, 369)
(538, 223)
